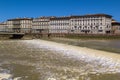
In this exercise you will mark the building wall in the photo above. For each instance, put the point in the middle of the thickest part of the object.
(9, 25)
(90, 25)
(59, 25)
(40, 25)
(86, 24)
(18, 25)
(117, 31)
(3, 27)
(26, 26)
(116, 28)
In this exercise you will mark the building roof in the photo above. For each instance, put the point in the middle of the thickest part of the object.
(2, 23)
(60, 18)
(115, 23)
(91, 15)
(77, 16)
(64, 17)
(17, 19)
(43, 17)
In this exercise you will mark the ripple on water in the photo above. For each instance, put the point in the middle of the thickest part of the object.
(59, 61)
(98, 62)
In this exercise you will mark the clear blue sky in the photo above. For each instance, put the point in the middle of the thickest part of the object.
(35, 8)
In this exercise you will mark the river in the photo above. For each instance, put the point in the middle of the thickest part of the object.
(46, 60)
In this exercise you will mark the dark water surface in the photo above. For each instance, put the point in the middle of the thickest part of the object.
(105, 45)
(31, 60)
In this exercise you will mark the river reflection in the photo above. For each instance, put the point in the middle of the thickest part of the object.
(43, 60)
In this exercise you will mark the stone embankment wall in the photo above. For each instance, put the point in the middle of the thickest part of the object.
(73, 36)
(5, 37)
(78, 36)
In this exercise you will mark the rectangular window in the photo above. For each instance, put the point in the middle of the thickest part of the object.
(100, 30)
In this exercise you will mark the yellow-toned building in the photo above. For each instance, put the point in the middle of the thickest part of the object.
(18, 25)
(115, 27)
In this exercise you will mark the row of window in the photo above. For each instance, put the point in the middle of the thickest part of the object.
(87, 24)
(40, 22)
(40, 19)
(68, 24)
(91, 17)
(118, 28)
(59, 24)
(87, 20)
(59, 21)
(41, 25)
(86, 28)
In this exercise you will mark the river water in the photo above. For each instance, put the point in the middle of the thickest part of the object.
(45, 60)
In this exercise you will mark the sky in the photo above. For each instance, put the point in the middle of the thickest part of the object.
(36, 8)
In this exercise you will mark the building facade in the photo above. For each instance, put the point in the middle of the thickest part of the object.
(18, 25)
(59, 25)
(3, 27)
(86, 24)
(115, 27)
(91, 24)
(40, 25)
(74, 24)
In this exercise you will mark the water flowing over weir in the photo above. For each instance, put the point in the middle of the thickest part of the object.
(99, 61)
(45, 60)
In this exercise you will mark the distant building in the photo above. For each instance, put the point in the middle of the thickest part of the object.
(59, 24)
(91, 24)
(20, 25)
(74, 24)
(40, 25)
(84, 24)
(115, 27)
(3, 27)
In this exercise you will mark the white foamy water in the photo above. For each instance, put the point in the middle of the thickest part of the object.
(5, 76)
(98, 61)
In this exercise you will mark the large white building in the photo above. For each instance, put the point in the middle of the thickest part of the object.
(91, 24)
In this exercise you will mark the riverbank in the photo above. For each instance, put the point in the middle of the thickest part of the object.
(108, 44)
(104, 45)
(60, 35)
(93, 36)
